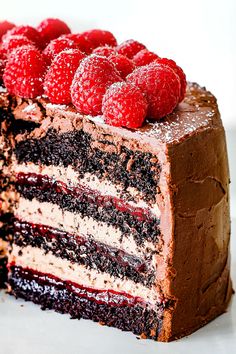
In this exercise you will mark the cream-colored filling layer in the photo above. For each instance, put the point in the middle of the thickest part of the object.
(69, 176)
(52, 215)
(36, 259)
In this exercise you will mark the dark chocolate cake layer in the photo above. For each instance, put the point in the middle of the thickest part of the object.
(84, 251)
(121, 312)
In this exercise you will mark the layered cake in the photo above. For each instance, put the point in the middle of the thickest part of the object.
(116, 178)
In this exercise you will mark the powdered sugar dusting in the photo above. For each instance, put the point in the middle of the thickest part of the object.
(182, 125)
(31, 108)
(56, 106)
(97, 119)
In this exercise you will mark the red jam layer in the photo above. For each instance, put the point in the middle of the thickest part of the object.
(110, 297)
(43, 182)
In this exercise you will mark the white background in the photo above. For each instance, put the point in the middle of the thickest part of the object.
(200, 35)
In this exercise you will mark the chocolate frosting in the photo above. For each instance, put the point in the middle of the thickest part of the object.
(198, 253)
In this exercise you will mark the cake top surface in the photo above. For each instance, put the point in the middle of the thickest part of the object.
(197, 112)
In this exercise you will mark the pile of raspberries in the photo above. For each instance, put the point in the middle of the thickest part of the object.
(125, 83)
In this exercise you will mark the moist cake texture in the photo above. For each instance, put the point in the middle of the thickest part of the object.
(129, 228)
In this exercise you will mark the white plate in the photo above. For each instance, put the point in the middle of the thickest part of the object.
(25, 329)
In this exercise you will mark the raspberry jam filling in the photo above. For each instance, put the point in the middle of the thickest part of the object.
(110, 297)
(36, 232)
(44, 182)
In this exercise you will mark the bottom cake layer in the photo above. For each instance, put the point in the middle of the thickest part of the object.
(107, 307)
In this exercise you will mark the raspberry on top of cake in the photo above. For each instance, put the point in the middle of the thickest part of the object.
(80, 69)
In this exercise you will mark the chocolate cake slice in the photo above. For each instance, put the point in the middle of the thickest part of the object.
(114, 183)
(128, 228)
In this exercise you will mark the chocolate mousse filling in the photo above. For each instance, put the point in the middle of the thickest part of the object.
(135, 169)
(84, 251)
(108, 307)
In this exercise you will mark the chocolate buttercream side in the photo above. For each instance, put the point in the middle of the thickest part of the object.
(199, 250)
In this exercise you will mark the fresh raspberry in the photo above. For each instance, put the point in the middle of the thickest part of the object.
(130, 47)
(105, 51)
(144, 57)
(92, 78)
(177, 69)
(124, 105)
(4, 27)
(24, 72)
(100, 38)
(52, 28)
(60, 74)
(82, 42)
(161, 85)
(123, 65)
(56, 46)
(30, 32)
(16, 40)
